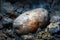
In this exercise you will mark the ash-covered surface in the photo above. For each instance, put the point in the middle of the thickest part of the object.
(11, 9)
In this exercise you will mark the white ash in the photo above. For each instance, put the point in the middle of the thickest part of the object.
(27, 37)
(53, 27)
(7, 6)
(19, 10)
(55, 19)
(7, 20)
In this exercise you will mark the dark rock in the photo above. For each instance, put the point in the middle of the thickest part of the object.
(1, 26)
(0, 17)
(2, 36)
(9, 33)
(7, 22)
(11, 14)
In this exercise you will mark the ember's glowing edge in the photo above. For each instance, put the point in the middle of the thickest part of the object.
(29, 21)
